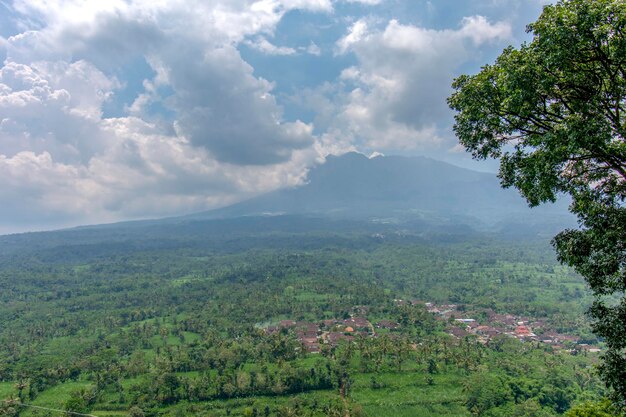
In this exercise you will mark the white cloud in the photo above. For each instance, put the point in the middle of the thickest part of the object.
(367, 2)
(224, 135)
(313, 49)
(261, 44)
(395, 95)
(355, 34)
(480, 30)
(53, 107)
(142, 173)
(68, 164)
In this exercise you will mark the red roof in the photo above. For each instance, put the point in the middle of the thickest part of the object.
(522, 331)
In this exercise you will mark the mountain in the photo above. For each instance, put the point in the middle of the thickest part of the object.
(399, 189)
(349, 194)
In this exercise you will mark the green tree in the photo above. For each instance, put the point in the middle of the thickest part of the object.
(554, 113)
(135, 411)
(592, 409)
(485, 391)
(77, 403)
(529, 408)
(10, 408)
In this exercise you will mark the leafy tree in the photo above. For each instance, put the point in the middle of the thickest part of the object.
(529, 408)
(9, 408)
(77, 403)
(485, 391)
(135, 412)
(592, 409)
(554, 113)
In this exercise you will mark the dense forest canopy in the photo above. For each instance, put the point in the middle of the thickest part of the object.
(313, 323)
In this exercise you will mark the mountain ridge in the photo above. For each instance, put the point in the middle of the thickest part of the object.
(350, 193)
(355, 186)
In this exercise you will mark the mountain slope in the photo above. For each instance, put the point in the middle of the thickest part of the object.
(348, 194)
(400, 189)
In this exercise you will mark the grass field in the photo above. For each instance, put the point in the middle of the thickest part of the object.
(7, 389)
(408, 394)
(54, 397)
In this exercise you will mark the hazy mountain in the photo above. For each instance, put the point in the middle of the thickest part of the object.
(399, 189)
(348, 194)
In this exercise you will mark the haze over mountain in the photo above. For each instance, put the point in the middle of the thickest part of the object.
(398, 189)
(349, 198)
(392, 190)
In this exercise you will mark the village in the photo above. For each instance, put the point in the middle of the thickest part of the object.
(462, 324)
(459, 323)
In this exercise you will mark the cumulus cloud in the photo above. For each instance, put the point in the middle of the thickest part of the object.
(226, 138)
(142, 173)
(263, 45)
(218, 102)
(53, 107)
(355, 34)
(395, 95)
(221, 133)
(223, 108)
(480, 30)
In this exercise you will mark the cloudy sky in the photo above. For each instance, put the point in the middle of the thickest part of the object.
(125, 109)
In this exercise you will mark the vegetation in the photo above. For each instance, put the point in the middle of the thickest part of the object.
(195, 330)
(554, 113)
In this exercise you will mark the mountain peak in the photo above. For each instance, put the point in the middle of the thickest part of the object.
(353, 186)
(348, 155)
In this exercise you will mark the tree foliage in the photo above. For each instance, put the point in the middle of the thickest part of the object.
(554, 113)
(592, 409)
(182, 331)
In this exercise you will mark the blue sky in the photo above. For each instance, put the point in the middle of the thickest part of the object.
(131, 109)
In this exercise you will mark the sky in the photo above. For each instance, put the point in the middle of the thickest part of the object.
(130, 109)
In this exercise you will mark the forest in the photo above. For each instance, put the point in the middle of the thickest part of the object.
(267, 324)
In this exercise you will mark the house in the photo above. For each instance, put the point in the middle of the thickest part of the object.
(312, 348)
(329, 324)
(487, 331)
(285, 324)
(523, 331)
(505, 319)
(559, 338)
(306, 326)
(271, 329)
(357, 323)
(492, 332)
(333, 338)
(311, 345)
(590, 348)
(306, 335)
(473, 325)
(388, 324)
(458, 332)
